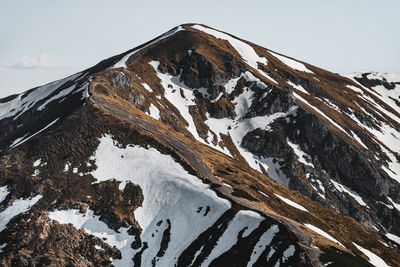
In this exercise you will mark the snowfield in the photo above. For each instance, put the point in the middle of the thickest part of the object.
(174, 202)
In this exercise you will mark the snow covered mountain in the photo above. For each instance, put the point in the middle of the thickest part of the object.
(199, 148)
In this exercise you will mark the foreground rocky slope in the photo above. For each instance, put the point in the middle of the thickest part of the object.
(164, 156)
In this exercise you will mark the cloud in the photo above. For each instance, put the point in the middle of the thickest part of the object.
(43, 61)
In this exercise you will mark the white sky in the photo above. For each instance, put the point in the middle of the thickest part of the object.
(44, 40)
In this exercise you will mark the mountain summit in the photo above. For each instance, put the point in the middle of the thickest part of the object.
(199, 148)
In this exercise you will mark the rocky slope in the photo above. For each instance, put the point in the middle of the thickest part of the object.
(182, 152)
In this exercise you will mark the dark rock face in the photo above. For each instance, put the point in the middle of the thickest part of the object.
(198, 72)
(215, 90)
(221, 109)
(364, 80)
(275, 101)
(267, 143)
(350, 167)
(333, 159)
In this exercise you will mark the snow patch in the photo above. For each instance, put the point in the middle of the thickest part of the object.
(16, 141)
(227, 185)
(355, 88)
(389, 77)
(147, 87)
(393, 237)
(303, 157)
(396, 205)
(331, 104)
(323, 233)
(231, 84)
(291, 203)
(237, 128)
(390, 137)
(162, 180)
(274, 171)
(372, 257)
(345, 189)
(320, 112)
(27, 100)
(98, 247)
(3, 193)
(15, 144)
(173, 86)
(288, 252)
(60, 95)
(154, 112)
(37, 163)
(385, 95)
(291, 63)
(17, 207)
(262, 243)
(173, 95)
(242, 219)
(358, 139)
(298, 87)
(66, 167)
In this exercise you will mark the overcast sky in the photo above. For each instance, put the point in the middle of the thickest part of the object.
(44, 40)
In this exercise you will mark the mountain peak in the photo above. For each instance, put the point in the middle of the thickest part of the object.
(268, 156)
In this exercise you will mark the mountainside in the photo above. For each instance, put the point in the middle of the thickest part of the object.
(202, 149)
